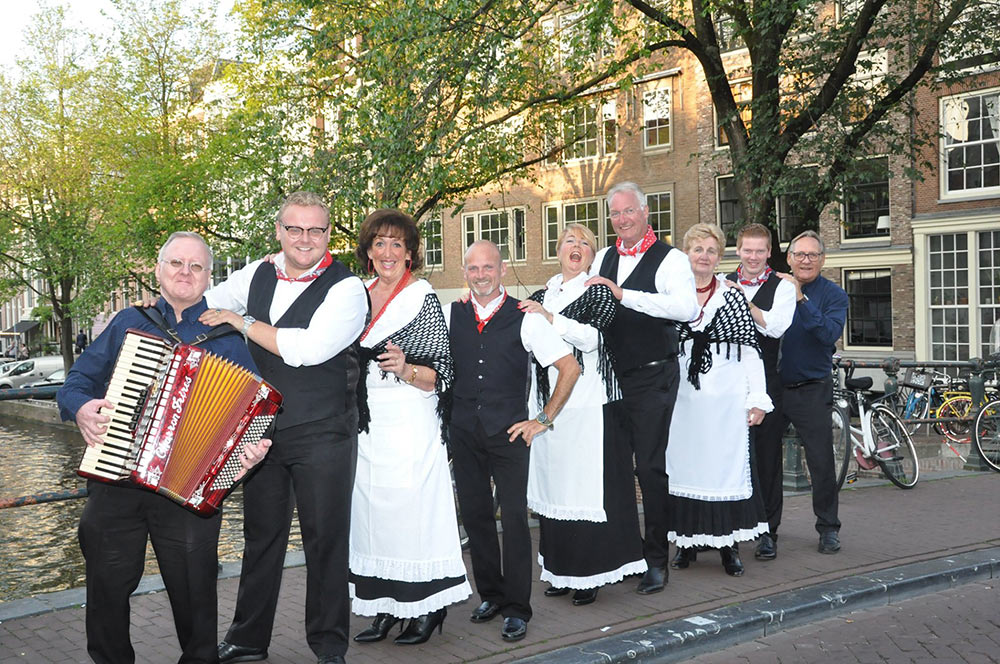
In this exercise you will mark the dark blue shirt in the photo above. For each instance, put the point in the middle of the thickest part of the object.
(88, 379)
(809, 343)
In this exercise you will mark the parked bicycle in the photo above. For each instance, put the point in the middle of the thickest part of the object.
(987, 434)
(880, 441)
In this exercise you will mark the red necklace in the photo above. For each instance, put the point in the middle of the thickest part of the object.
(481, 322)
(395, 291)
(710, 289)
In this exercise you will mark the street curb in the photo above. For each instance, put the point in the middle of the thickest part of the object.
(682, 638)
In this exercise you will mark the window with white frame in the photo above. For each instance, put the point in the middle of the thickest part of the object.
(863, 88)
(869, 307)
(794, 215)
(988, 305)
(725, 32)
(589, 131)
(656, 118)
(661, 215)
(591, 213)
(743, 96)
(728, 207)
(970, 128)
(971, 33)
(505, 228)
(433, 241)
(569, 32)
(609, 126)
(948, 278)
(866, 201)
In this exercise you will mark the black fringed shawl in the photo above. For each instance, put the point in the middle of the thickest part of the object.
(596, 307)
(425, 342)
(732, 324)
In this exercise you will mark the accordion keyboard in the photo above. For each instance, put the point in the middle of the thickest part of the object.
(141, 359)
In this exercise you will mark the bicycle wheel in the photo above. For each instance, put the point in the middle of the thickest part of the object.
(841, 442)
(908, 403)
(957, 406)
(894, 450)
(987, 434)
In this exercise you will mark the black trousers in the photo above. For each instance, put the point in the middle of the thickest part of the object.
(310, 466)
(114, 526)
(504, 578)
(809, 408)
(643, 414)
(768, 447)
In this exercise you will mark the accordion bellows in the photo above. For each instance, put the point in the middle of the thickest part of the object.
(181, 419)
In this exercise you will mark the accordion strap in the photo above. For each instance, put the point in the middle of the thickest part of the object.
(154, 316)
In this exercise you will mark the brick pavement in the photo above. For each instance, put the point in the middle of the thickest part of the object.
(883, 527)
(960, 624)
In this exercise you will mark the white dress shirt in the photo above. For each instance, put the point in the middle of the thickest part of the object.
(675, 297)
(782, 310)
(335, 325)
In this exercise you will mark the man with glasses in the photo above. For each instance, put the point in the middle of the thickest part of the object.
(805, 369)
(119, 518)
(655, 286)
(302, 315)
(772, 305)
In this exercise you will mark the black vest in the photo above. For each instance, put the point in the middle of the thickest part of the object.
(636, 338)
(491, 369)
(326, 391)
(769, 346)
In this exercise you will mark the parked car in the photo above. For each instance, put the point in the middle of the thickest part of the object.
(57, 377)
(5, 367)
(30, 371)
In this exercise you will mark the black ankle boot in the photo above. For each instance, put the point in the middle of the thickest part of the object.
(419, 629)
(731, 560)
(684, 557)
(380, 628)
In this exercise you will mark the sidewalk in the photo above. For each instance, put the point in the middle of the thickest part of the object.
(950, 526)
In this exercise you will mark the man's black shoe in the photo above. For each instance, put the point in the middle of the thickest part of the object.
(684, 557)
(584, 597)
(230, 652)
(513, 629)
(652, 581)
(552, 591)
(332, 659)
(766, 549)
(829, 542)
(485, 612)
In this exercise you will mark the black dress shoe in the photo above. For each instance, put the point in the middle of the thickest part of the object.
(829, 542)
(684, 557)
(767, 548)
(584, 597)
(419, 629)
(513, 629)
(652, 581)
(331, 659)
(552, 591)
(731, 560)
(230, 652)
(485, 612)
(380, 628)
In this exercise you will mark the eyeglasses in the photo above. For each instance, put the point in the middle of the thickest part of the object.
(614, 214)
(295, 232)
(177, 265)
(810, 256)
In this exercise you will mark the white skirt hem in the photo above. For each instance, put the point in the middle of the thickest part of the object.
(593, 581)
(372, 607)
(716, 541)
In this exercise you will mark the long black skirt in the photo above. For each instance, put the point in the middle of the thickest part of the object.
(587, 554)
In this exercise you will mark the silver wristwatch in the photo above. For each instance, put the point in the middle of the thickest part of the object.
(544, 420)
(247, 322)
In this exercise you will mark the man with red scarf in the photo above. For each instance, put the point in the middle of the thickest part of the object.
(772, 305)
(302, 315)
(655, 287)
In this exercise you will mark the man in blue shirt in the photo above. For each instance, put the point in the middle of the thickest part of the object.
(118, 518)
(805, 367)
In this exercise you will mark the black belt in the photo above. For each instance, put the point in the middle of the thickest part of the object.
(655, 363)
(803, 383)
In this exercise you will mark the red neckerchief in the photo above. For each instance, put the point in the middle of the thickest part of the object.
(710, 289)
(308, 276)
(481, 322)
(405, 279)
(645, 243)
(756, 281)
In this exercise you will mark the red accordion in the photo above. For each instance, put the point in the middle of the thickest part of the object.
(180, 422)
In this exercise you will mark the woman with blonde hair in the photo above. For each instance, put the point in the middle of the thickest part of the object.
(580, 479)
(714, 500)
